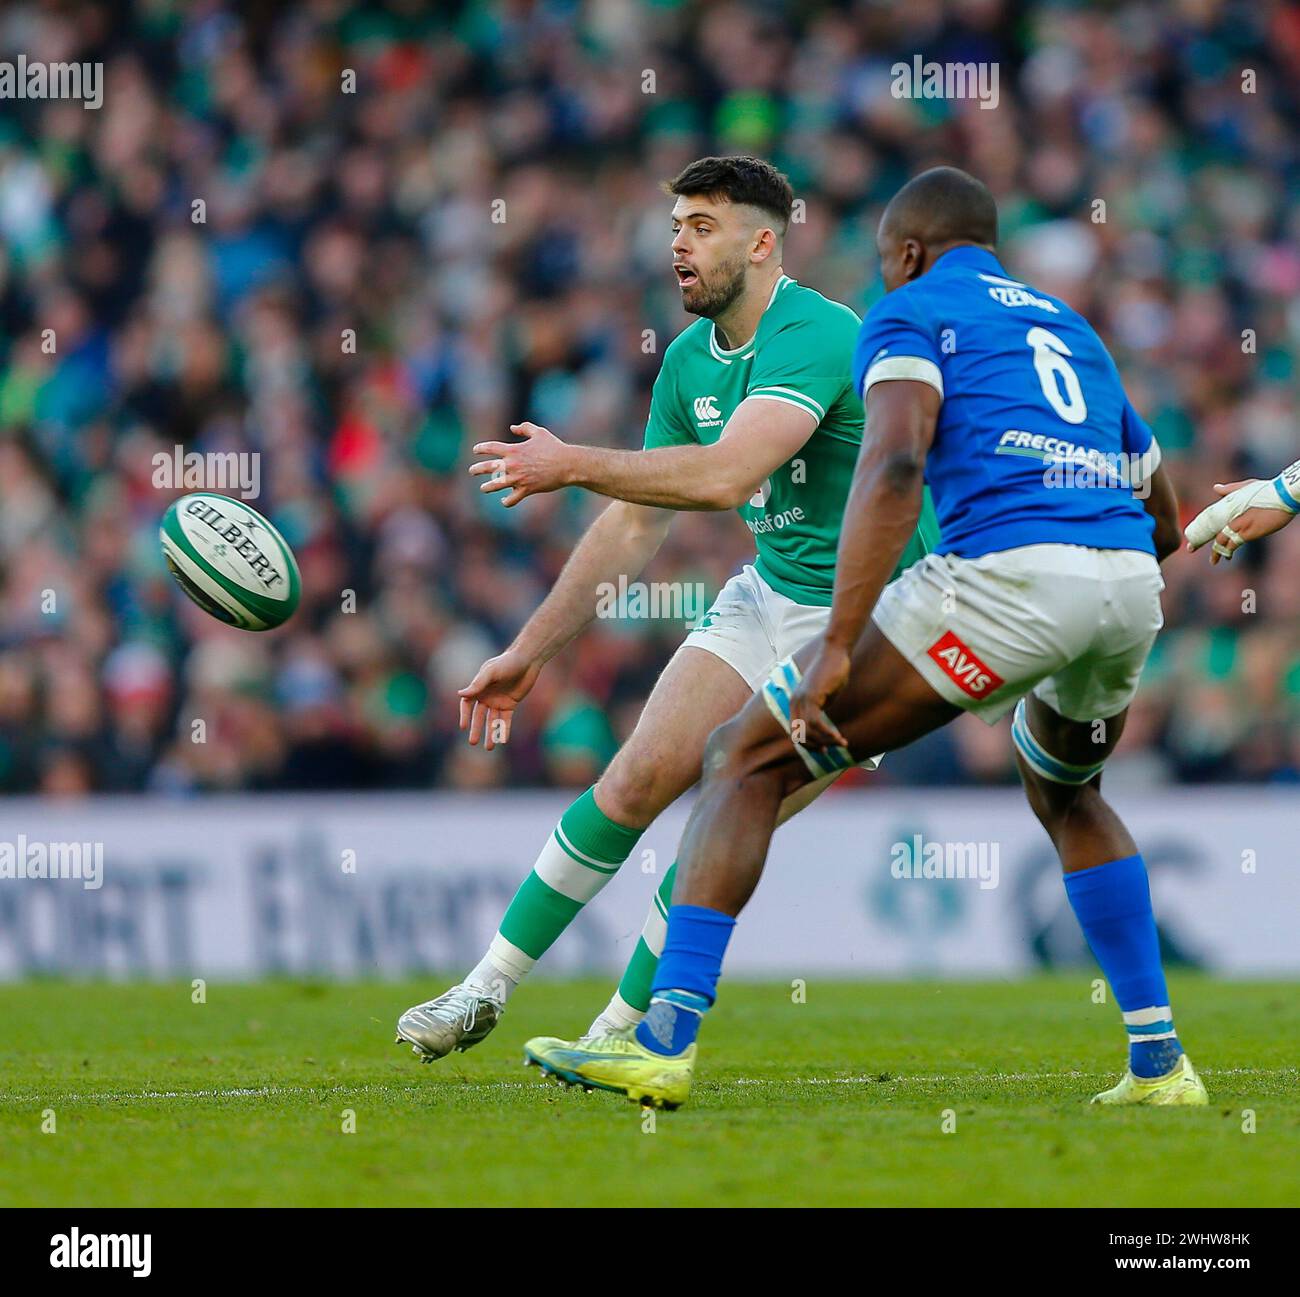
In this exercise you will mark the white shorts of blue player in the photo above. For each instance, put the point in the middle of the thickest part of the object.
(1071, 624)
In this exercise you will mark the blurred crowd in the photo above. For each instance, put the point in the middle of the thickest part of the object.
(471, 189)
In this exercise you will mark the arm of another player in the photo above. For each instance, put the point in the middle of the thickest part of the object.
(759, 437)
(1248, 510)
(619, 543)
(879, 518)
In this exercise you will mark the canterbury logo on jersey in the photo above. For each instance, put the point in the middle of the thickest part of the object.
(963, 668)
(707, 413)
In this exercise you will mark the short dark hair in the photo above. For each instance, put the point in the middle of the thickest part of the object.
(944, 205)
(740, 179)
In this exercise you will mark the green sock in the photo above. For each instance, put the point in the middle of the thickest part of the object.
(580, 857)
(634, 990)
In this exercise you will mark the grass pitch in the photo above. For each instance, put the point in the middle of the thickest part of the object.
(841, 1100)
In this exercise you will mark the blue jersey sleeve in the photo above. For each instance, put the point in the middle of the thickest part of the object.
(1136, 435)
(1139, 444)
(896, 341)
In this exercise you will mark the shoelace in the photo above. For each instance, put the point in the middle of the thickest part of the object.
(449, 998)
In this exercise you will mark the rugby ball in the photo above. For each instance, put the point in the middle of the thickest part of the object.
(230, 561)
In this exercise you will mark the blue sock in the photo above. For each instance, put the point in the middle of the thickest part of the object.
(686, 981)
(1113, 905)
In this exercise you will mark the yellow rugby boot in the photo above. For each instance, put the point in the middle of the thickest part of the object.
(1178, 1088)
(618, 1062)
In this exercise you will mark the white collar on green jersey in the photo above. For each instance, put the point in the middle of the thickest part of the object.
(746, 349)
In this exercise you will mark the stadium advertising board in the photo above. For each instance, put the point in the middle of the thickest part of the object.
(864, 883)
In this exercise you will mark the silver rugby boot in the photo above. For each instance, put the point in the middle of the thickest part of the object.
(457, 1019)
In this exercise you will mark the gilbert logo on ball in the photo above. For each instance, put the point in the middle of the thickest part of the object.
(230, 561)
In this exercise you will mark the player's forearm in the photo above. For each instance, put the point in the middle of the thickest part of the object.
(879, 519)
(619, 543)
(1162, 504)
(669, 477)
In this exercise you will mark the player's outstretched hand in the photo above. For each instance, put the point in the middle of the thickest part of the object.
(825, 677)
(1247, 511)
(488, 702)
(538, 463)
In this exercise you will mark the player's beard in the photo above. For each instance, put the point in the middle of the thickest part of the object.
(710, 297)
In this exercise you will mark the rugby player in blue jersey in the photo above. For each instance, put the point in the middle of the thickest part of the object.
(1043, 597)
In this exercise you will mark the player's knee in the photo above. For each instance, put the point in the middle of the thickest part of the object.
(633, 795)
(737, 753)
(1056, 788)
(724, 752)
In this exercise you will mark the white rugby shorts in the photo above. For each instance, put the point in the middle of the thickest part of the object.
(1071, 624)
(754, 629)
(751, 626)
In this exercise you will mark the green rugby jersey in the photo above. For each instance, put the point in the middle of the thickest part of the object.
(801, 354)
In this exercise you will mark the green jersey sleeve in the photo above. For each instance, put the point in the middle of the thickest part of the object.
(806, 362)
(666, 424)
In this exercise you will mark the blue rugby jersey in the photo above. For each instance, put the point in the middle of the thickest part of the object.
(1033, 418)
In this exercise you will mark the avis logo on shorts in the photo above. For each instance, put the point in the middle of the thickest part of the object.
(707, 414)
(962, 667)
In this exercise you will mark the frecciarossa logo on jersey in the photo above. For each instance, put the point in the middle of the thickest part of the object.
(963, 668)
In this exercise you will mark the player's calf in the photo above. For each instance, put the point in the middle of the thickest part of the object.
(628, 1005)
(749, 768)
(1106, 884)
(751, 764)
(583, 853)
(732, 821)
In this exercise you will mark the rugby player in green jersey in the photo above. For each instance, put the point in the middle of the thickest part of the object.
(753, 409)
